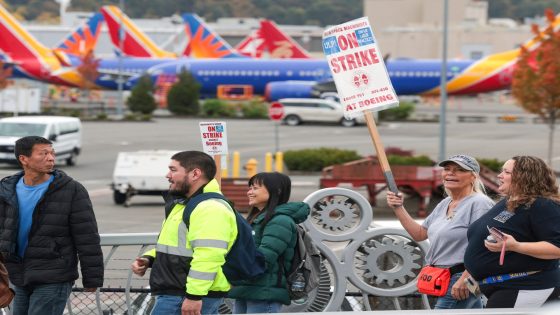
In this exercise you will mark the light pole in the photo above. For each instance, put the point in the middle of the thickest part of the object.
(443, 86)
(120, 78)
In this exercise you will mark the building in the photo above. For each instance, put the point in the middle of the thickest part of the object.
(413, 29)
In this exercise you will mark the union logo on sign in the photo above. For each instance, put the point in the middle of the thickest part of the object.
(360, 79)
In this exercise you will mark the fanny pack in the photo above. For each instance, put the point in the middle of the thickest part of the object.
(435, 281)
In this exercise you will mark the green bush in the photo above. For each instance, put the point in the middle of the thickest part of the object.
(493, 164)
(218, 108)
(420, 160)
(141, 99)
(183, 96)
(254, 109)
(402, 112)
(314, 160)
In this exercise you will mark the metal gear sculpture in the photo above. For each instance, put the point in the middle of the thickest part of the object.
(385, 262)
(337, 214)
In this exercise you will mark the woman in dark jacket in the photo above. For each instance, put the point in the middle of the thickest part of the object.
(274, 221)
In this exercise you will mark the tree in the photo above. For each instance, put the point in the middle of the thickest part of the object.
(88, 69)
(536, 78)
(5, 74)
(142, 96)
(183, 96)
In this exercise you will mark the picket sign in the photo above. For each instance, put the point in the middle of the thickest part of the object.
(214, 143)
(361, 79)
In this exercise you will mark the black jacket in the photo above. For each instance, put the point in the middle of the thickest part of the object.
(63, 229)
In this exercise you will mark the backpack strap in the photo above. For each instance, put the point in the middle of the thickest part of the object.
(281, 258)
(194, 201)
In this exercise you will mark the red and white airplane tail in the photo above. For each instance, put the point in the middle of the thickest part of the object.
(279, 44)
(253, 45)
(134, 42)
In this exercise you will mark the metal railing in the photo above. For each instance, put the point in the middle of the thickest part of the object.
(365, 267)
(121, 286)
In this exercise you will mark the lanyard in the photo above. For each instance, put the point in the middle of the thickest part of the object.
(508, 276)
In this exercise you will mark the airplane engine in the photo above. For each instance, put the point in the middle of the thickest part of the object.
(288, 89)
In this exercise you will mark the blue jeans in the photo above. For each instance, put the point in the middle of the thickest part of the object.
(255, 306)
(447, 301)
(171, 305)
(41, 299)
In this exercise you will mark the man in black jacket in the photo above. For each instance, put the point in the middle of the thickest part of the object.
(46, 224)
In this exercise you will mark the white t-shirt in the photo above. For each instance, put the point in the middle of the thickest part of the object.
(448, 236)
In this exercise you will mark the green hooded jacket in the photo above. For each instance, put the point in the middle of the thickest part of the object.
(278, 238)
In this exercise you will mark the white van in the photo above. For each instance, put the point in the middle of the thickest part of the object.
(64, 132)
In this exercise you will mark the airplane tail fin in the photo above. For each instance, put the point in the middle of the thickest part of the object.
(281, 45)
(203, 42)
(253, 45)
(84, 38)
(134, 42)
(31, 57)
(17, 43)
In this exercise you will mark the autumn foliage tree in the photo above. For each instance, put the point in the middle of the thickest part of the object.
(5, 74)
(536, 78)
(88, 70)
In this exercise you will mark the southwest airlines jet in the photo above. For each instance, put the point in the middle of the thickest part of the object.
(30, 59)
(274, 78)
(280, 78)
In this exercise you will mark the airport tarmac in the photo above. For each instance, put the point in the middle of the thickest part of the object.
(253, 138)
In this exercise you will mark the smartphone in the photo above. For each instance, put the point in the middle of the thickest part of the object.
(496, 234)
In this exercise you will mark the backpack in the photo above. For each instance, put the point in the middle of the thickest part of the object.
(304, 273)
(243, 261)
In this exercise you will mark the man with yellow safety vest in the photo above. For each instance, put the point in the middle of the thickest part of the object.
(186, 276)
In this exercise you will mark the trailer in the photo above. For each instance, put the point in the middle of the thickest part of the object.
(143, 173)
(422, 181)
(140, 173)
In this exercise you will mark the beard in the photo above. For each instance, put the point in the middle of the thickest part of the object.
(182, 191)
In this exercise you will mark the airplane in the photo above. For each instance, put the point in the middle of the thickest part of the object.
(288, 78)
(300, 77)
(135, 43)
(30, 59)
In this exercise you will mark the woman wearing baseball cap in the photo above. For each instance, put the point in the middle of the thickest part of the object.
(446, 226)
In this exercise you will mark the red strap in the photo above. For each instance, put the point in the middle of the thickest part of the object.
(503, 252)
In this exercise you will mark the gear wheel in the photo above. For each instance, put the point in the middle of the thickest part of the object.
(336, 214)
(384, 261)
(402, 265)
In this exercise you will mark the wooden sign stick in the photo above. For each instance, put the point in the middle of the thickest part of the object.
(381, 156)
(218, 177)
